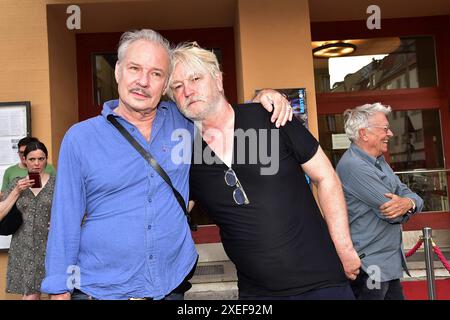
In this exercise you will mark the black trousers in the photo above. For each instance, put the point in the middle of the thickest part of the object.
(365, 288)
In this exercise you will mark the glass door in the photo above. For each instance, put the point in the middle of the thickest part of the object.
(415, 152)
(402, 65)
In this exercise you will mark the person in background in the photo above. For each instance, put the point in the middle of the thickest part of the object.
(20, 169)
(115, 222)
(270, 224)
(28, 244)
(378, 203)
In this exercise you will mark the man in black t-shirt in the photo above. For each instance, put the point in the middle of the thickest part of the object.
(250, 176)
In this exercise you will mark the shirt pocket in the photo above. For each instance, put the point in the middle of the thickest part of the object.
(388, 181)
(174, 156)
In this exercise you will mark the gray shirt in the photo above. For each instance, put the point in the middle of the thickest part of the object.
(378, 237)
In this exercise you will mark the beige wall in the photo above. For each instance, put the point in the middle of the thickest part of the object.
(158, 15)
(63, 75)
(273, 44)
(38, 66)
(24, 61)
(3, 264)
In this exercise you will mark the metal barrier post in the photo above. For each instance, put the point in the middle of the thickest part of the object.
(427, 235)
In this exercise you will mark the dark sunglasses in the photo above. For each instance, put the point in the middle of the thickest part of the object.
(239, 195)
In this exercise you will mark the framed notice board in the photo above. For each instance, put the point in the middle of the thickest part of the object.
(15, 124)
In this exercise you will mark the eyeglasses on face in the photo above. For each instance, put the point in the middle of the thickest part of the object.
(239, 195)
(385, 128)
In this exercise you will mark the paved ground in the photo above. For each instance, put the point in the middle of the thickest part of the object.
(214, 281)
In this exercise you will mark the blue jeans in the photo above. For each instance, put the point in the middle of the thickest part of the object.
(343, 292)
(79, 295)
(387, 290)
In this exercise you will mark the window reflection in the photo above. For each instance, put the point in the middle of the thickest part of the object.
(417, 146)
(415, 151)
(105, 86)
(379, 64)
(331, 132)
(430, 186)
(417, 142)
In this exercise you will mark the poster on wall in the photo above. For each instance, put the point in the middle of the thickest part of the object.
(297, 98)
(15, 123)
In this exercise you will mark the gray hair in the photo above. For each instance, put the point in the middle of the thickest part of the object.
(129, 37)
(359, 117)
(197, 59)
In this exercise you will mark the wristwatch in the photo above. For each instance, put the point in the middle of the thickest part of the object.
(413, 209)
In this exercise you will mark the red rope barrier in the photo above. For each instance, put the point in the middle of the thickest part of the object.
(435, 249)
(441, 257)
(415, 248)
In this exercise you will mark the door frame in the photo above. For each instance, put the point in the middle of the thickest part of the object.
(90, 43)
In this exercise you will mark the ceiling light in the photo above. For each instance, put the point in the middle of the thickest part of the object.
(336, 49)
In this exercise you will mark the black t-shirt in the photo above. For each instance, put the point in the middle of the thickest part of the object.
(279, 242)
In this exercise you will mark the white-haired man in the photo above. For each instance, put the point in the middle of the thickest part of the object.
(377, 201)
(270, 224)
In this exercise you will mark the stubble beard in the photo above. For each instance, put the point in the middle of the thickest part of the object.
(207, 110)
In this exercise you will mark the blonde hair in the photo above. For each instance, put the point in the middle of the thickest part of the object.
(197, 59)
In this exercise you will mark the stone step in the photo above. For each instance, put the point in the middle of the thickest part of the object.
(419, 255)
(215, 271)
(416, 265)
(213, 291)
(224, 271)
(216, 280)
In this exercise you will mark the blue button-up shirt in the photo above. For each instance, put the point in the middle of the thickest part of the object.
(378, 237)
(134, 240)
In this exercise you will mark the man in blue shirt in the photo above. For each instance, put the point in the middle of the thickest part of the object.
(117, 231)
(378, 203)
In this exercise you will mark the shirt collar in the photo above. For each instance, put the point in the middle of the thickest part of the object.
(364, 155)
(108, 107)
